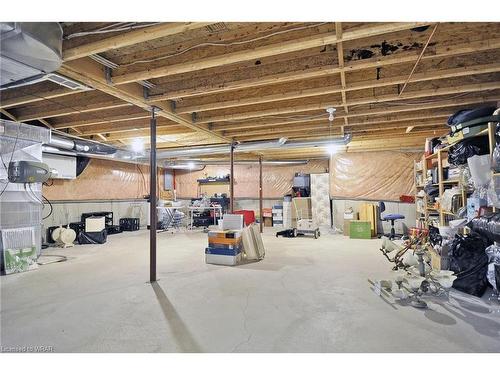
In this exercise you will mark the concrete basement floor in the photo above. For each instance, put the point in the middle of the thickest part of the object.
(306, 296)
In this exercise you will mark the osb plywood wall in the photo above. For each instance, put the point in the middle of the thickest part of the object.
(276, 180)
(103, 179)
(380, 175)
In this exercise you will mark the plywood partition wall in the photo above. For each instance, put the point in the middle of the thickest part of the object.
(103, 179)
(381, 175)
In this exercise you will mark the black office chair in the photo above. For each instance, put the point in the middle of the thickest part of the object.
(390, 217)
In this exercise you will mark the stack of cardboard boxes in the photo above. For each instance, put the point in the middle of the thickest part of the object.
(224, 247)
(267, 213)
(277, 215)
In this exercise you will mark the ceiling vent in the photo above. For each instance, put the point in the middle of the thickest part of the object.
(66, 82)
(28, 51)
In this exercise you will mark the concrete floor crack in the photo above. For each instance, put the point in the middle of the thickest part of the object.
(245, 317)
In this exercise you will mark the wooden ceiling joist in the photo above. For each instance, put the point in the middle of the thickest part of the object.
(103, 120)
(385, 120)
(91, 73)
(426, 76)
(27, 98)
(274, 86)
(352, 129)
(8, 115)
(66, 110)
(340, 52)
(264, 51)
(129, 38)
(131, 126)
(324, 71)
(323, 104)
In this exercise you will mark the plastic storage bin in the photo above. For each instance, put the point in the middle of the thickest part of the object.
(360, 229)
(129, 224)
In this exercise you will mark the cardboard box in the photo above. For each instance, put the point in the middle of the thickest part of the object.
(267, 212)
(349, 215)
(465, 133)
(347, 224)
(439, 262)
(268, 221)
(95, 224)
(360, 229)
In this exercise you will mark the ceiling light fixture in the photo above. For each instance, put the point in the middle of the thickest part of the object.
(331, 111)
(332, 148)
(137, 145)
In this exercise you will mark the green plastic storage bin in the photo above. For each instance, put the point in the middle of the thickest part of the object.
(360, 229)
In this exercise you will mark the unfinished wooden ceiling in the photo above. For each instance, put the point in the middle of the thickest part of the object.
(392, 84)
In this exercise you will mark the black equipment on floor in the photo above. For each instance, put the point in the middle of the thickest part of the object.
(129, 224)
(113, 229)
(92, 238)
(77, 227)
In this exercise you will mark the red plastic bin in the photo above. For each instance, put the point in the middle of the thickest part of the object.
(248, 216)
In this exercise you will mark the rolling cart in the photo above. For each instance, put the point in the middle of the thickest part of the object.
(303, 227)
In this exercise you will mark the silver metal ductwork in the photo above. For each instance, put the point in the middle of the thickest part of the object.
(218, 149)
(66, 144)
(282, 143)
(28, 51)
(189, 164)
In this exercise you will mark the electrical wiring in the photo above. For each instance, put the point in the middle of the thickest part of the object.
(32, 195)
(296, 117)
(105, 30)
(221, 44)
(61, 258)
(51, 207)
(423, 102)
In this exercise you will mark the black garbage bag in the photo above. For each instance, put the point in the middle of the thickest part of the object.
(460, 152)
(487, 226)
(88, 238)
(434, 236)
(495, 159)
(468, 260)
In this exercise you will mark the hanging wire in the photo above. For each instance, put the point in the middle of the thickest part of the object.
(105, 30)
(222, 44)
(419, 58)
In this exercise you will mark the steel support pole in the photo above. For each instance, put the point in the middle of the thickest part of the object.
(153, 217)
(231, 179)
(260, 196)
